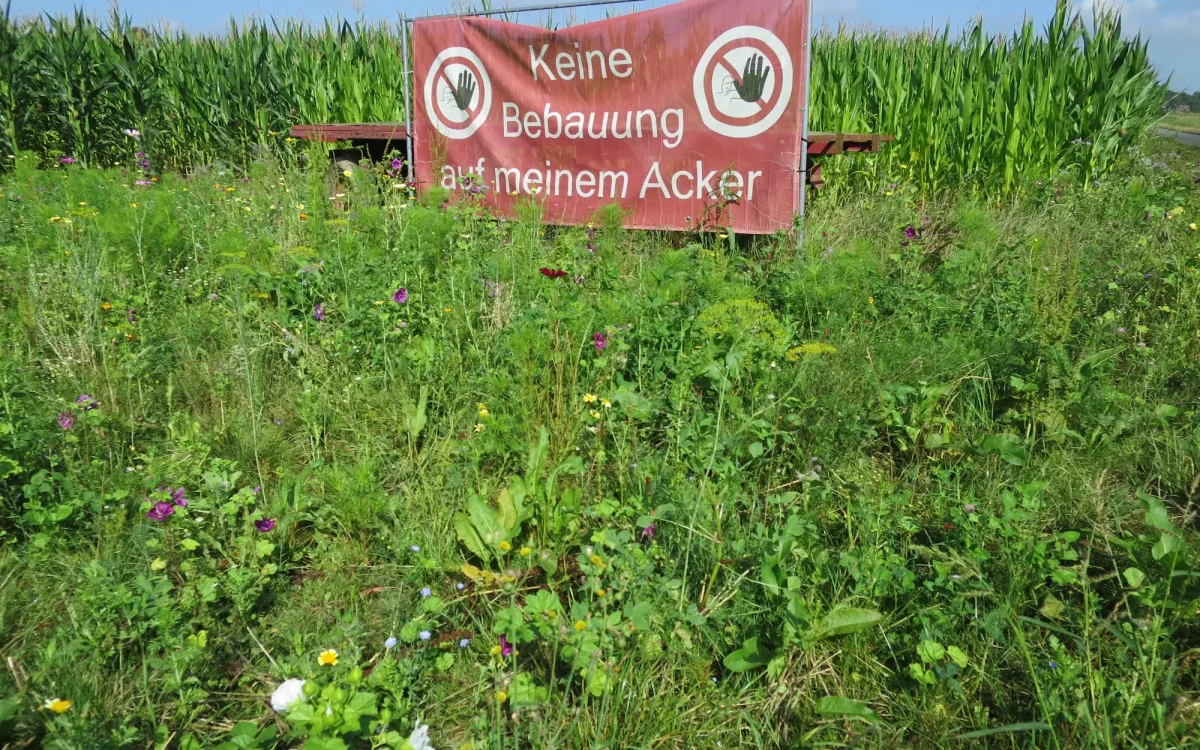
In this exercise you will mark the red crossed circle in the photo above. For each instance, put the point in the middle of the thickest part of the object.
(473, 107)
(764, 105)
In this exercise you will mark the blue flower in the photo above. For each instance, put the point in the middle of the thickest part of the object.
(464, 643)
(415, 548)
(460, 585)
(424, 635)
(389, 643)
(1052, 664)
(425, 592)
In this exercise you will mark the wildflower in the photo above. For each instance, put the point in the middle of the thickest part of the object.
(178, 496)
(419, 739)
(595, 414)
(501, 696)
(606, 403)
(447, 310)
(580, 625)
(526, 552)
(483, 412)
(396, 164)
(600, 341)
(142, 183)
(910, 233)
(870, 300)
(328, 658)
(400, 296)
(1192, 227)
(424, 635)
(265, 525)
(552, 273)
(589, 398)
(289, 693)
(131, 316)
(506, 648)
(66, 160)
(415, 548)
(426, 592)
(601, 592)
(1052, 664)
(464, 643)
(1120, 330)
(596, 560)
(212, 297)
(160, 511)
(66, 420)
(479, 428)
(57, 705)
(319, 312)
(649, 531)
(105, 305)
(460, 585)
(86, 402)
(505, 546)
(132, 133)
(389, 643)
(969, 508)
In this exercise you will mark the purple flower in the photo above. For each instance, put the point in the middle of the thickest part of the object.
(396, 164)
(460, 585)
(258, 489)
(142, 183)
(86, 402)
(600, 340)
(265, 525)
(66, 420)
(178, 496)
(506, 648)
(464, 643)
(424, 635)
(401, 296)
(1120, 330)
(426, 593)
(160, 511)
(66, 160)
(131, 316)
(319, 312)
(1052, 664)
(910, 233)
(649, 531)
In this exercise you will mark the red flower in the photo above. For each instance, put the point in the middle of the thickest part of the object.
(553, 273)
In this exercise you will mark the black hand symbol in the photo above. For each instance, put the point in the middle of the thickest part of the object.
(464, 92)
(754, 79)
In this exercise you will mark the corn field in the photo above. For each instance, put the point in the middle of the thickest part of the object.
(991, 110)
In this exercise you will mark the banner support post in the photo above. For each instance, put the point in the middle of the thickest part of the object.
(408, 120)
(808, 48)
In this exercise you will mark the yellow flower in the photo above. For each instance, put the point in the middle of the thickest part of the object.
(478, 427)
(328, 658)
(589, 398)
(133, 205)
(606, 403)
(303, 216)
(580, 625)
(447, 310)
(495, 650)
(83, 203)
(505, 546)
(888, 193)
(600, 592)
(870, 300)
(378, 302)
(596, 560)
(106, 305)
(526, 552)
(58, 705)
(552, 614)
(484, 413)
(595, 414)
(289, 140)
(1192, 227)
(501, 696)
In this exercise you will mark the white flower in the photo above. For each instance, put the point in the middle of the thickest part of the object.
(289, 693)
(419, 739)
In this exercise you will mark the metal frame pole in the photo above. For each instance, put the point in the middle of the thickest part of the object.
(528, 8)
(804, 125)
(408, 120)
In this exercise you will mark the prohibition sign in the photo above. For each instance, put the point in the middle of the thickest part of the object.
(721, 93)
(457, 77)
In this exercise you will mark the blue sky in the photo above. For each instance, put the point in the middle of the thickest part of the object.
(1173, 26)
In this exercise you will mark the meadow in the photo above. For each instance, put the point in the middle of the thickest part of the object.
(281, 468)
(1182, 122)
(932, 475)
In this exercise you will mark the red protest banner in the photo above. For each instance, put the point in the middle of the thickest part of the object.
(682, 114)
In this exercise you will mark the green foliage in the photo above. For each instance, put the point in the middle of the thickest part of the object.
(897, 486)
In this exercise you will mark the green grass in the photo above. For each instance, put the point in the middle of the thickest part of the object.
(1182, 122)
(902, 490)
